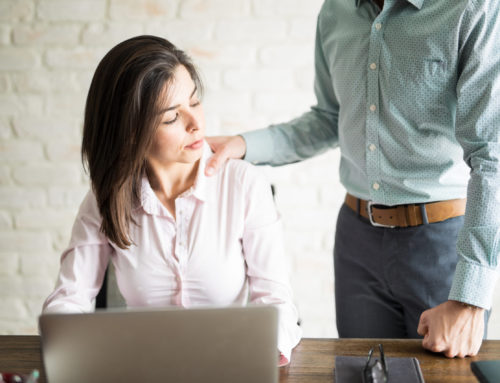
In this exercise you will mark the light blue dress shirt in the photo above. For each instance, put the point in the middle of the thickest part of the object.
(411, 94)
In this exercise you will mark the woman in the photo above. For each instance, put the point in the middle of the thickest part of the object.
(175, 237)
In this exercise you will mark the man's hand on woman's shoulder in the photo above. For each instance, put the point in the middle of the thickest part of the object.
(224, 147)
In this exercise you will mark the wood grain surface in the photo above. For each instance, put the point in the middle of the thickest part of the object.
(313, 360)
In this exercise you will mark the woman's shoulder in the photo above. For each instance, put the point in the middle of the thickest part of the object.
(247, 178)
(243, 171)
(88, 207)
(236, 165)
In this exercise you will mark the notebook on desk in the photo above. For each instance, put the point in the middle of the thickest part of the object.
(349, 369)
(232, 344)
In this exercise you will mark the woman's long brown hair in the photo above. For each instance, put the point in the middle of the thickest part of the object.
(121, 118)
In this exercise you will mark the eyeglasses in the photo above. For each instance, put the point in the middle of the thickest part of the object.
(375, 371)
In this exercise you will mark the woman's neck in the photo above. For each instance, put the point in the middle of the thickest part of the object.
(170, 181)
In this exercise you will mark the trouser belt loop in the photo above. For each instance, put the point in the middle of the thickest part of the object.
(411, 211)
(425, 219)
(358, 206)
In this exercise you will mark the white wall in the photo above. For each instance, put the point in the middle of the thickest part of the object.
(256, 57)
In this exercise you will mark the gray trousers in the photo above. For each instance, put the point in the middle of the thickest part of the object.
(386, 278)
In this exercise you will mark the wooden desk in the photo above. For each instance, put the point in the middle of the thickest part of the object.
(312, 360)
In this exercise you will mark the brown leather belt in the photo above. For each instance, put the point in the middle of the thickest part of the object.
(406, 215)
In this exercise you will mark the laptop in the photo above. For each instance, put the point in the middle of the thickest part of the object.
(231, 344)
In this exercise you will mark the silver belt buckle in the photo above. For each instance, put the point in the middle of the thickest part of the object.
(372, 221)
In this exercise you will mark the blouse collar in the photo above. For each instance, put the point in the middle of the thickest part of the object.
(152, 205)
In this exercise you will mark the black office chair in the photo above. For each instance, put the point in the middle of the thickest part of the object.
(101, 300)
(109, 295)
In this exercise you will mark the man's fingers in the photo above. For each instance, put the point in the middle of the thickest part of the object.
(213, 163)
(431, 344)
(432, 341)
(457, 348)
(475, 349)
(434, 345)
(210, 170)
(423, 328)
(220, 155)
(453, 329)
(224, 147)
(212, 142)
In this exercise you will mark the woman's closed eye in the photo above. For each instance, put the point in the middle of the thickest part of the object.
(171, 120)
(169, 117)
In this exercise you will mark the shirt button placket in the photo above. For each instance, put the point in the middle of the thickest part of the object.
(181, 246)
(372, 118)
(179, 207)
(180, 291)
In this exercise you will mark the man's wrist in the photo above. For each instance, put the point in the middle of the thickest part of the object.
(244, 142)
(469, 306)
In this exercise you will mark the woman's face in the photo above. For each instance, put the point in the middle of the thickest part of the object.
(179, 138)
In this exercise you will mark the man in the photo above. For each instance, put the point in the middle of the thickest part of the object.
(410, 92)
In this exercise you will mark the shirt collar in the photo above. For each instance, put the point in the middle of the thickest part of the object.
(152, 205)
(416, 3)
(199, 189)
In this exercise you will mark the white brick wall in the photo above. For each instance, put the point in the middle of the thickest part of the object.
(70, 10)
(12, 10)
(256, 57)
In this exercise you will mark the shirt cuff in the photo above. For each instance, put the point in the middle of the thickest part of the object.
(473, 284)
(259, 146)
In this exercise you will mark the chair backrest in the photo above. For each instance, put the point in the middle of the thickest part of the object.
(109, 295)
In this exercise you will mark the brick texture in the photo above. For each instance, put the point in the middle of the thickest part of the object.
(256, 59)
(16, 10)
(71, 10)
